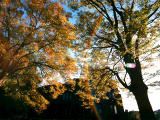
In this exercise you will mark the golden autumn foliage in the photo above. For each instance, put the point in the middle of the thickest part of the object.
(56, 89)
(35, 37)
(41, 31)
(36, 101)
(96, 87)
(95, 82)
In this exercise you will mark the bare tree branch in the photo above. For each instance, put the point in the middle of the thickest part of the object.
(153, 13)
(118, 77)
(132, 6)
(103, 11)
(157, 16)
(121, 15)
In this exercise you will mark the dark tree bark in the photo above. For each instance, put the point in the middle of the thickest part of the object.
(139, 89)
(145, 108)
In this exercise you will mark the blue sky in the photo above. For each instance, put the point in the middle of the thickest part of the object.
(74, 14)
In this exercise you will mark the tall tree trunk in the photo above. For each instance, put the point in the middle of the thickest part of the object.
(139, 89)
(145, 108)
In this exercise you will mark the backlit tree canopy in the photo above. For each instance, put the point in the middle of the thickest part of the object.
(35, 38)
(35, 34)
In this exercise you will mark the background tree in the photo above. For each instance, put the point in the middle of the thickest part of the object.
(35, 37)
(35, 33)
(127, 34)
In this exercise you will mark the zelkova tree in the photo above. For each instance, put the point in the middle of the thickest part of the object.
(35, 37)
(127, 34)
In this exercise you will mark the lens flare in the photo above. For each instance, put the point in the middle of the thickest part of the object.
(130, 65)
